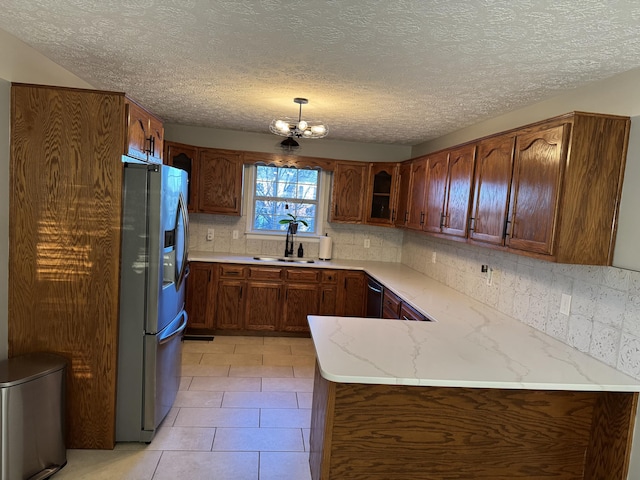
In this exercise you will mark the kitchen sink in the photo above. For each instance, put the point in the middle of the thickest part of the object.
(284, 259)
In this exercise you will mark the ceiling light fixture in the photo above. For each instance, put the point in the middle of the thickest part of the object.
(290, 127)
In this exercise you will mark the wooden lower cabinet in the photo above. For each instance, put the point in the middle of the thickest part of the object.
(250, 299)
(351, 294)
(390, 305)
(263, 306)
(229, 305)
(378, 432)
(301, 299)
(200, 296)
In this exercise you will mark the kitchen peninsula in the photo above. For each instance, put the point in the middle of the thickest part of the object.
(474, 394)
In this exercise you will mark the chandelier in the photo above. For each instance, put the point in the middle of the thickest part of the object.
(290, 127)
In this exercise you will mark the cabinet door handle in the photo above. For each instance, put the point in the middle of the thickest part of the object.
(393, 214)
(421, 218)
(442, 219)
(241, 288)
(406, 216)
(152, 145)
(472, 225)
(507, 229)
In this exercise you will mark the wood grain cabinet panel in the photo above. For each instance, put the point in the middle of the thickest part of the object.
(535, 189)
(457, 202)
(390, 305)
(404, 183)
(351, 294)
(373, 432)
(200, 297)
(436, 188)
(219, 182)
(184, 157)
(229, 306)
(494, 165)
(563, 192)
(300, 300)
(65, 200)
(417, 192)
(263, 307)
(347, 194)
(145, 133)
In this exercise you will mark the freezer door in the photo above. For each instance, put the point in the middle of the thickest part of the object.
(163, 356)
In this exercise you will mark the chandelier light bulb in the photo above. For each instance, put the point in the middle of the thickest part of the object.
(289, 127)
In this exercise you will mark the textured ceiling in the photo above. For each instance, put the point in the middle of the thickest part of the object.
(387, 71)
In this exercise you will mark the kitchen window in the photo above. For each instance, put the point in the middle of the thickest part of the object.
(278, 191)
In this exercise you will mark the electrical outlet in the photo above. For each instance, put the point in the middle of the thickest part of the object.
(367, 243)
(433, 257)
(210, 234)
(235, 234)
(565, 304)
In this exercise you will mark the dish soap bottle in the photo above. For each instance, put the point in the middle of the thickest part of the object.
(300, 251)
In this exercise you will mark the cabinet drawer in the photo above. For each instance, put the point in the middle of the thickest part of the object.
(265, 273)
(302, 275)
(390, 305)
(232, 271)
(329, 276)
(407, 312)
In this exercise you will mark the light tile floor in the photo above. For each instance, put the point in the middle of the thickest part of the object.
(243, 412)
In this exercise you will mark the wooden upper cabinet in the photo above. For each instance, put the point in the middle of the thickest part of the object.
(184, 157)
(494, 165)
(436, 187)
(145, 133)
(347, 195)
(219, 181)
(417, 191)
(402, 204)
(381, 194)
(551, 190)
(459, 189)
(535, 189)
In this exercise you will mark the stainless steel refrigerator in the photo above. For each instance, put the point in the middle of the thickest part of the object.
(152, 295)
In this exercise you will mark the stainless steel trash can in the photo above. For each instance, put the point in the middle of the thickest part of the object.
(32, 420)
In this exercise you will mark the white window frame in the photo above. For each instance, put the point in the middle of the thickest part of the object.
(323, 207)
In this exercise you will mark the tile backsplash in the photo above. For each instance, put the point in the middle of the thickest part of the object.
(604, 318)
(385, 244)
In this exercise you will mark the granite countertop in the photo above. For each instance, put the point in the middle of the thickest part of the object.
(468, 344)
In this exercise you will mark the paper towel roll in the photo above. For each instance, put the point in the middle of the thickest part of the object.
(324, 251)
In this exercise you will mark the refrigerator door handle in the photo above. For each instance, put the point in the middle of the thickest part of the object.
(181, 275)
(178, 331)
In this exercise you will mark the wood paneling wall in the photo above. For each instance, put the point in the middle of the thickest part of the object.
(64, 244)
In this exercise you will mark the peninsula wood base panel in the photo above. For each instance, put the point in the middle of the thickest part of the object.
(382, 432)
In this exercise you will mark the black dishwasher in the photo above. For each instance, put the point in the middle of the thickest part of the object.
(375, 292)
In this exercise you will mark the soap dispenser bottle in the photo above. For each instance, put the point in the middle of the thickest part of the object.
(300, 251)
